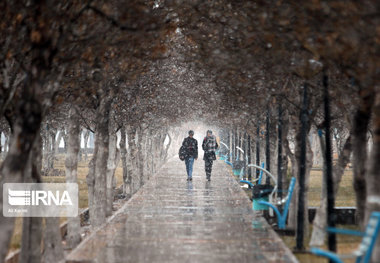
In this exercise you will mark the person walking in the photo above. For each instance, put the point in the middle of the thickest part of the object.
(190, 148)
(209, 147)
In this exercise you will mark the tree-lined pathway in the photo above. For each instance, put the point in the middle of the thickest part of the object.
(172, 220)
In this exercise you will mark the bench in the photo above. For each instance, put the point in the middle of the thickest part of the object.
(257, 180)
(223, 154)
(281, 217)
(238, 165)
(265, 193)
(238, 168)
(228, 162)
(364, 251)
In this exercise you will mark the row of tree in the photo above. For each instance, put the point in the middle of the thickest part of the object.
(142, 67)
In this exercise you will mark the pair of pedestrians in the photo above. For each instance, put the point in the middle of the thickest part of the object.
(189, 153)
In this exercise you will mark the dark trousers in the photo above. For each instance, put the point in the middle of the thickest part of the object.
(208, 167)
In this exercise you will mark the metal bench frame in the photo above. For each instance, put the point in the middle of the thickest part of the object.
(224, 155)
(257, 180)
(231, 164)
(364, 251)
(263, 170)
(281, 218)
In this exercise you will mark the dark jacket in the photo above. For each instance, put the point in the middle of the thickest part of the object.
(191, 147)
(209, 152)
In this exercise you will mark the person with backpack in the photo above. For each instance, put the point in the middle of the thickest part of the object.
(209, 147)
(188, 153)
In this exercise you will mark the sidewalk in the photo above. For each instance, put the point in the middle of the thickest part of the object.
(172, 220)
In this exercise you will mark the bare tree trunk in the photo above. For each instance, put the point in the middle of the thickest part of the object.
(117, 161)
(7, 137)
(46, 150)
(49, 149)
(6, 141)
(31, 240)
(53, 250)
(151, 155)
(13, 168)
(295, 158)
(57, 142)
(53, 135)
(156, 151)
(64, 137)
(144, 146)
(292, 218)
(162, 148)
(309, 165)
(140, 156)
(344, 159)
(320, 220)
(71, 164)
(132, 162)
(111, 167)
(123, 154)
(90, 180)
(1, 146)
(167, 147)
(147, 155)
(285, 133)
(80, 150)
(32, 226)
(373, 173)
(102, 140)
(86, 136)
(319, 224)
(359, 150)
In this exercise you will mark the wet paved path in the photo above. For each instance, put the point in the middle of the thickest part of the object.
(171, 220)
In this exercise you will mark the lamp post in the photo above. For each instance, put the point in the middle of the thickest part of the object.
(258, 148)
(249, 156)
(328, 161)
(279, 151)
(304, 118)
(267, 145)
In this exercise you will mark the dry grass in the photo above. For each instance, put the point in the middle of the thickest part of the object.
(82, 173)
(345, 244)
(346, 194)
(345, 197)
(83, 196)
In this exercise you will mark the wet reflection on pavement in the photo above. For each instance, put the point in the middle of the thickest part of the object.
(172, 220)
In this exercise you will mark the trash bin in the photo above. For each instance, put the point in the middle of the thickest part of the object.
(237, 166)
(261, 192)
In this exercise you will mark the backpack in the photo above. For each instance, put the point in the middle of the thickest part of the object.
(182, 153)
